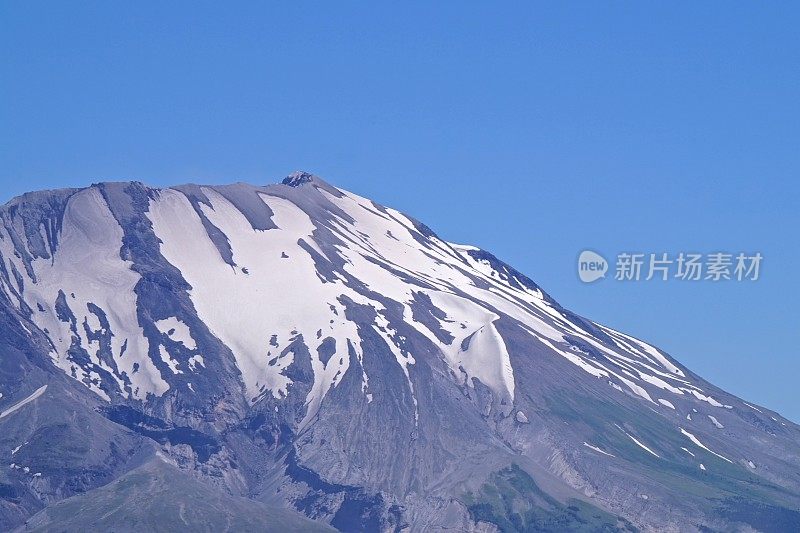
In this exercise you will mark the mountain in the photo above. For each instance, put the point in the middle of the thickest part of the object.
(296, 347)
(159, 497)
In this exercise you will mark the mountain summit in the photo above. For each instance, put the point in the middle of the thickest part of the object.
(295, 179)
(308, 352)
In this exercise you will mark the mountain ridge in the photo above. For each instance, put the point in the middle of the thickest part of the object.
(299, 344)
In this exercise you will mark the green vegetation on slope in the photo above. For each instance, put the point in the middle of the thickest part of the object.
(158, 497)
(511, 500)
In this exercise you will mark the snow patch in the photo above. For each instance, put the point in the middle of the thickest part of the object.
(177, 331)
(703, 397)
(753, 407)
(697, 442)
(38, 392)
(639, 443)
(88, 268)
(666, 403)
(595, 448)
(171, 363)
(272, 282)
(196, 360)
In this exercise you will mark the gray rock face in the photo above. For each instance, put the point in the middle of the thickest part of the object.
(297, 346)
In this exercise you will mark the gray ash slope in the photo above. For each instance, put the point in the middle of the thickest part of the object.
(304, 348)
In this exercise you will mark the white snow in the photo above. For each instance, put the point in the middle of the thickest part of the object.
(636, 389)
(87, 265)
(658, 382)
(702, 467)
(687, 451)
(577, 360)
(649, 350)
(716, 422)
(753, 407)
(634, 439)
(196, 360)
(495, 372)
(385, 236)
(38, 392)
(299, 305)
(486, 357)
(171, 363)
(177, 331)
(282, 304)
(704, 398)
(697, 442)
(464, 247)
(595, 448)
(490, 361)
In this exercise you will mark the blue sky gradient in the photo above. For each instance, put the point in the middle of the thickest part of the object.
(532, 130)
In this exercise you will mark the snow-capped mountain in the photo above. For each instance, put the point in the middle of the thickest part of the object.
(299, 346)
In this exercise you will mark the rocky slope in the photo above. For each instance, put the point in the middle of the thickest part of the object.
(303, 347)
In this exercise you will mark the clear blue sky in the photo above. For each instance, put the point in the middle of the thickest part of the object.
(532, 130)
